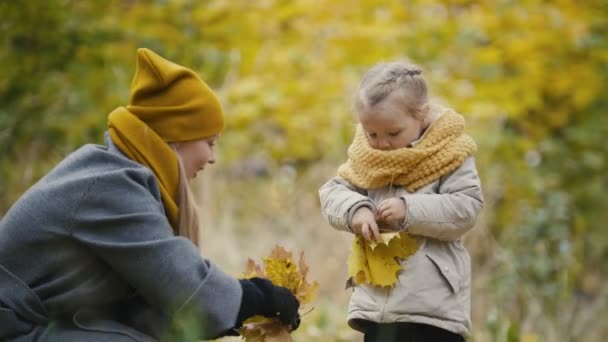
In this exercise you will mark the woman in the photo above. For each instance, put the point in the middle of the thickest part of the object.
(104, 247)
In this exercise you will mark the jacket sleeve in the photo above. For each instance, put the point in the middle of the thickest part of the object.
(450, 213)
(340, 200)
(121, 220)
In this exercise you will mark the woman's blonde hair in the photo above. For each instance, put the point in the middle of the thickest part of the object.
(189, 226)
(385, 78)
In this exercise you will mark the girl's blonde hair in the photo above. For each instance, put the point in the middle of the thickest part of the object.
(385, 78)
(189, 226)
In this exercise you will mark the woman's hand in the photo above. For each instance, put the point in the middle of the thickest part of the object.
(392, 211)
(262, 297)
(364, 223)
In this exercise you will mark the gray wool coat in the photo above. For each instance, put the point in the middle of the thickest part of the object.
(87, 254)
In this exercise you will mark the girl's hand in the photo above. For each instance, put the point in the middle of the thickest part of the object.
(364, 224)
(392, 211)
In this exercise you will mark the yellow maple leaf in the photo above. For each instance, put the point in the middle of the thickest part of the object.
(385, 238)
(281, 269)
(379, 263)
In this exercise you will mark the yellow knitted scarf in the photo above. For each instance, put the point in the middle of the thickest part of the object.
(141, 144)
(441, 149)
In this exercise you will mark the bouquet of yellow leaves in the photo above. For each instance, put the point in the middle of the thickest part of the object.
(281, 269)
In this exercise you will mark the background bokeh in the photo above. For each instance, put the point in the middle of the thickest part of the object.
(530, 77)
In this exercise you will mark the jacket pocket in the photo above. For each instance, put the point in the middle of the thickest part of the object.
(447, 270)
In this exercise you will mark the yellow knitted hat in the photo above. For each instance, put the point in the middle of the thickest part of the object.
(172, 100)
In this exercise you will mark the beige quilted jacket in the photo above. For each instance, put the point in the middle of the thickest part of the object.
(434, 286)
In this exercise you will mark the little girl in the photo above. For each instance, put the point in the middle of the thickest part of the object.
(410, 169)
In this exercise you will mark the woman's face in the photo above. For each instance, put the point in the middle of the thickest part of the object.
(196, 154)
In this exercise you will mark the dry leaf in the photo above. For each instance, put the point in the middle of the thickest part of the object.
(306, 292)
(280, 269)
(252, 270)
(263, 329)
(379, 263)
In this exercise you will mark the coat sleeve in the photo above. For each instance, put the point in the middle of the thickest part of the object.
(122, 221)
(450, 213)
(340, 200)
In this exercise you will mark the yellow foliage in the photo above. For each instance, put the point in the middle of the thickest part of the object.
(280, 268)
(379, 263)
(528, 75)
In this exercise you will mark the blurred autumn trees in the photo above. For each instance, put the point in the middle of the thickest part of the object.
(530, 77)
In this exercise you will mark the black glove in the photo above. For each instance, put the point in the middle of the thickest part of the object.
(261, 297)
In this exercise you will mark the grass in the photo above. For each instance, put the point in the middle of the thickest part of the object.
(244, 216)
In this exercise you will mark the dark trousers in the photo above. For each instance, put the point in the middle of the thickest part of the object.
(408, 332)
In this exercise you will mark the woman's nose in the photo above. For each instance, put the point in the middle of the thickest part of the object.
(211, 159)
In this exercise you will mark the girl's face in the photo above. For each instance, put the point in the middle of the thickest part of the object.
(388, 126)
(196, 154)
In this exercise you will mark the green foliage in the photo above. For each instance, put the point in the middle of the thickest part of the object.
(52, 80)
